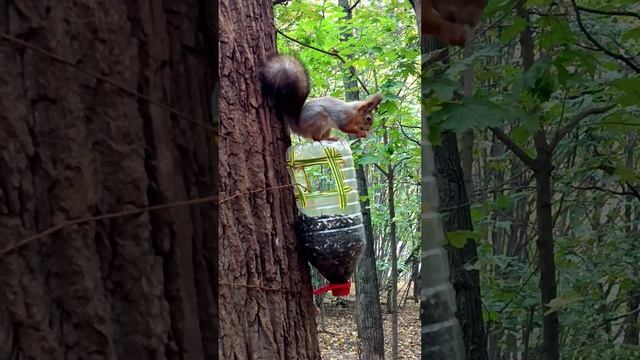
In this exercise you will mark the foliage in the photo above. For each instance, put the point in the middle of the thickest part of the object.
(382, 47)
(597, 214)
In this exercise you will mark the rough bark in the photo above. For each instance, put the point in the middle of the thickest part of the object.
(73, 146)
(265, 296)
(466, 282)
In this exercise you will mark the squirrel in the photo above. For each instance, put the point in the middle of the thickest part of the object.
(445, 19)
(286, 81)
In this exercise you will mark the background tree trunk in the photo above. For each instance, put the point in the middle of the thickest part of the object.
(73, 146)
(466, 282)
(368, 315)
(393, 303)
(265, 287)
(544, 215)
(453, 195)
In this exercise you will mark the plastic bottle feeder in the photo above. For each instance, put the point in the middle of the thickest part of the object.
(330, 219)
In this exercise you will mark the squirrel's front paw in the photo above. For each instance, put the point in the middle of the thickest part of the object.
(363, 134)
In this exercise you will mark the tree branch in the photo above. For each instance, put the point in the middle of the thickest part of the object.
(511, 145)
(330, 53)
(609, 13)
(599, 188)
(276, 2)
(407, 136)
(353, 6)
(576, 121)
(619, 57)
(381, 170)
(634, 192)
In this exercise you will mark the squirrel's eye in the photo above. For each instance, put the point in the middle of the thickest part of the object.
(368, 118)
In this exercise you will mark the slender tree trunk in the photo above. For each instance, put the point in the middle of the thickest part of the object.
(466, 282)
(265, 296)
(72, 146)
(544, 215)
(394, 264)
(368, 314)
(632, 326)
(546, 261)
(392, 303)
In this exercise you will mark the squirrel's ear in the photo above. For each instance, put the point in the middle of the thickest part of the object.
(372, 103)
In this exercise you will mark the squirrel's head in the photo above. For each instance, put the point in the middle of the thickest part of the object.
(365, 112)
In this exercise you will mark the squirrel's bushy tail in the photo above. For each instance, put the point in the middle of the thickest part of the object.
(285, 80)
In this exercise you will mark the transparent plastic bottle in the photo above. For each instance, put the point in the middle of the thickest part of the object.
(330, 225)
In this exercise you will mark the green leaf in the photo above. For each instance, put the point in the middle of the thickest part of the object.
(459, 238)
(513, 30)
(633, 34)
(520, 134)
(503, 201)
(559, 303)
(557, 32)
(442, 88)
(631, 89)
(470, 113)
(626, 173)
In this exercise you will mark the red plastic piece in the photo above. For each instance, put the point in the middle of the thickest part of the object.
(336, 289)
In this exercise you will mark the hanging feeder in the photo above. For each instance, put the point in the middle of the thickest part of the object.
(330, 224)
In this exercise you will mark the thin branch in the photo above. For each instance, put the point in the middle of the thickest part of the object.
(619, 57)
(353, 6)
(135, 211)
(606, 321)
(635, 192)
(104, 217)
(598, 188)
(511, 145)
(407, 136)
(381, 169)
(330, 53)
(254, 191)
(609, 13)
(576, 121)
(258, 287)
(276, 2)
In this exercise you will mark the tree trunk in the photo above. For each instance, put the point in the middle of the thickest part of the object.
(632, 326)
(394, 259)
(544, 215)
(72, 146)
(441, 335)
(546, 261)
(265, 296)
(368, 314)
(466, 282)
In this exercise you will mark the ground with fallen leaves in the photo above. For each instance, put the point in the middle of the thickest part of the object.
(339, 337)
